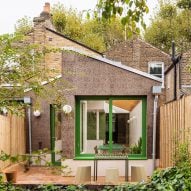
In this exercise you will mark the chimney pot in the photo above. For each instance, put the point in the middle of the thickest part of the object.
(46, 8)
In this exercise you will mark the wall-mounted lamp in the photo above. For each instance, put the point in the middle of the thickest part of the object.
(37, 113)
(67, 109)
(131, 119)
(4, 110)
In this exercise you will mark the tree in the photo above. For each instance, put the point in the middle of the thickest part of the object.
(169, 24)
(91, 31)
(23, 25)
(130, 11)
(22, 69)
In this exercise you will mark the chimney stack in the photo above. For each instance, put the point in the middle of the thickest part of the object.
(46, 11)
(46, 8)
(45, 17)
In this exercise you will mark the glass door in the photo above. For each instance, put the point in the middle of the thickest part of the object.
(55, 132)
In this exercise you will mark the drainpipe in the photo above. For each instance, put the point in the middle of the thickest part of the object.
(30, 130)
(154, 130)
(175, 75)
(156, 91)
(27, 100)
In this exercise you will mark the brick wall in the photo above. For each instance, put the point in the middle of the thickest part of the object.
(137, 53)
(92, 77)
(184, 64)
(43, 33)
(183, 78)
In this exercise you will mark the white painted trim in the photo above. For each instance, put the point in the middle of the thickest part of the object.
(186, 86)
(28, 89)
(114, 63)
(9, 85)
(45, 82)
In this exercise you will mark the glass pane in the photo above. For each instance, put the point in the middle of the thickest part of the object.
(156, 69)
(58, 140)
(93, 124)
(127, 124)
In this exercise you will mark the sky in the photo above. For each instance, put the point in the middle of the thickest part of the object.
(12, 10)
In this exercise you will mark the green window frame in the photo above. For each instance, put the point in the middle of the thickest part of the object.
(86, 156)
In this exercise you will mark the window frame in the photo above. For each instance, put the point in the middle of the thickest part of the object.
(80, 156)
(162, 75)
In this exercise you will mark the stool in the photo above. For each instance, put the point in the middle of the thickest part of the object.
(138, 174)
(83, 175)
(111, 175)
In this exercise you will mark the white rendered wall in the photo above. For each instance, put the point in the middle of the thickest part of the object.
(135, 124)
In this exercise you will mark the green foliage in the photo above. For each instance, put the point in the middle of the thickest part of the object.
(136, 148)
(182, 155)
(48, 187)
(10, 187)
(174, 178)
(59, 17)
(95, 33)
(184, 4)
(22, 68)
(170, 23)
(23, 25)
(130, 11)
(169, 179)
(37, 157)
(168, 11)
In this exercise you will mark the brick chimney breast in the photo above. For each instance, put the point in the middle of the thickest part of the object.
(46, 8)
(46, 11)
(45, 17)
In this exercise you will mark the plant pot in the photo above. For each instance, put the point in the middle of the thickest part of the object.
(11, 176)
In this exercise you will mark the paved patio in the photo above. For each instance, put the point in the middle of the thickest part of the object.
(43, 175)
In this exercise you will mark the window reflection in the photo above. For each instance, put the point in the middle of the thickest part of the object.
(94, 123)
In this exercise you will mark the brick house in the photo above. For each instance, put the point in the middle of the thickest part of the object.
(112, 102)
(178, 78)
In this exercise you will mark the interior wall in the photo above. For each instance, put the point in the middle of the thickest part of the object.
(135, 124)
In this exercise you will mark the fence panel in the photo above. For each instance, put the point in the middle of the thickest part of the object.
(175, 128)
(12, 136)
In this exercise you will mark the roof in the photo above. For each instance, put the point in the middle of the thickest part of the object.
(114, 63)
(153, 47)
(79, 43)
(140, 40)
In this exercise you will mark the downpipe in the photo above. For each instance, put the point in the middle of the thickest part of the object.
(154, 132)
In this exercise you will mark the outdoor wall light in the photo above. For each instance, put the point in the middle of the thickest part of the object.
(131, 119)
(36, 113)
(4, 111)
(67, 109)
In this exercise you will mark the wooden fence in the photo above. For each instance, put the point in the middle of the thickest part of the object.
(175, 128)
(12, 136)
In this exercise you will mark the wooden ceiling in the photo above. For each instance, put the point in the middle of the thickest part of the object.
(125, 104)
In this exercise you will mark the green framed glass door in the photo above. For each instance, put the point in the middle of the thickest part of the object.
(111, 122)
(55, 135)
